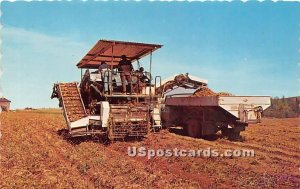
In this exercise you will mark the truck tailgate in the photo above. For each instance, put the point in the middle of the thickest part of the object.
(233, 104)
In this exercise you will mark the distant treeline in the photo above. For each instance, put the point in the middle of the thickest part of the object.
(283, 108)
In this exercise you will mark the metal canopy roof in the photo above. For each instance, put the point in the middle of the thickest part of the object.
(111, 51)
(2, 99)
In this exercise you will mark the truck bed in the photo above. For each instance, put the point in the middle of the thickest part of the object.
(232, 104)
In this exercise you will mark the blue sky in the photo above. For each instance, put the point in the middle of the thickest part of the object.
(243, 48)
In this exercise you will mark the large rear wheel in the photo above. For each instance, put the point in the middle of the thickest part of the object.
(193, 128)
(231, 134)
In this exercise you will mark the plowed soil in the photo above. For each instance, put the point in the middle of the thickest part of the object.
(34, 155)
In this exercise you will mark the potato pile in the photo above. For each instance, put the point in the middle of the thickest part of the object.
(205, 91)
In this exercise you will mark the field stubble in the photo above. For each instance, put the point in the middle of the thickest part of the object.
(34, 155)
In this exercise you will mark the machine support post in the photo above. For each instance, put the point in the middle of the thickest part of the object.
(150, 91)
(111, 66)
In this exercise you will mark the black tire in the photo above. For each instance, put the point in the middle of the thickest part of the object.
(193, 128)
(231, 134)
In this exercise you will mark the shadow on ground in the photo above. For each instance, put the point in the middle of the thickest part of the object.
(214, 137)
(92, 138)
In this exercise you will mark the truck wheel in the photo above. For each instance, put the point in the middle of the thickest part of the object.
(231, 134)
(193, 128)
(235, 136)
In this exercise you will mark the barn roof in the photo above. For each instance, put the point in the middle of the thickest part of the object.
(110, 51)
(4, 100)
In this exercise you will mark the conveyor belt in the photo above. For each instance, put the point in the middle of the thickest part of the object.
(71, 101)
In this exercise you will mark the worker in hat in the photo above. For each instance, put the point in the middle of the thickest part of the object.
(125, 68)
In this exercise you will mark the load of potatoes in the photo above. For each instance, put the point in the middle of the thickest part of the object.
(205, 91)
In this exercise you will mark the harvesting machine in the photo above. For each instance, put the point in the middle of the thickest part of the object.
(98, 105)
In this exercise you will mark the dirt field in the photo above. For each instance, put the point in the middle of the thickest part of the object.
(34, 155)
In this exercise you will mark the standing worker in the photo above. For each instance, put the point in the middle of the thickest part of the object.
(125, 68)
(105, 75)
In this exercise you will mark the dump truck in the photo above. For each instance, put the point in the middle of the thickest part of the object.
(203, 112)
(97, 105)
